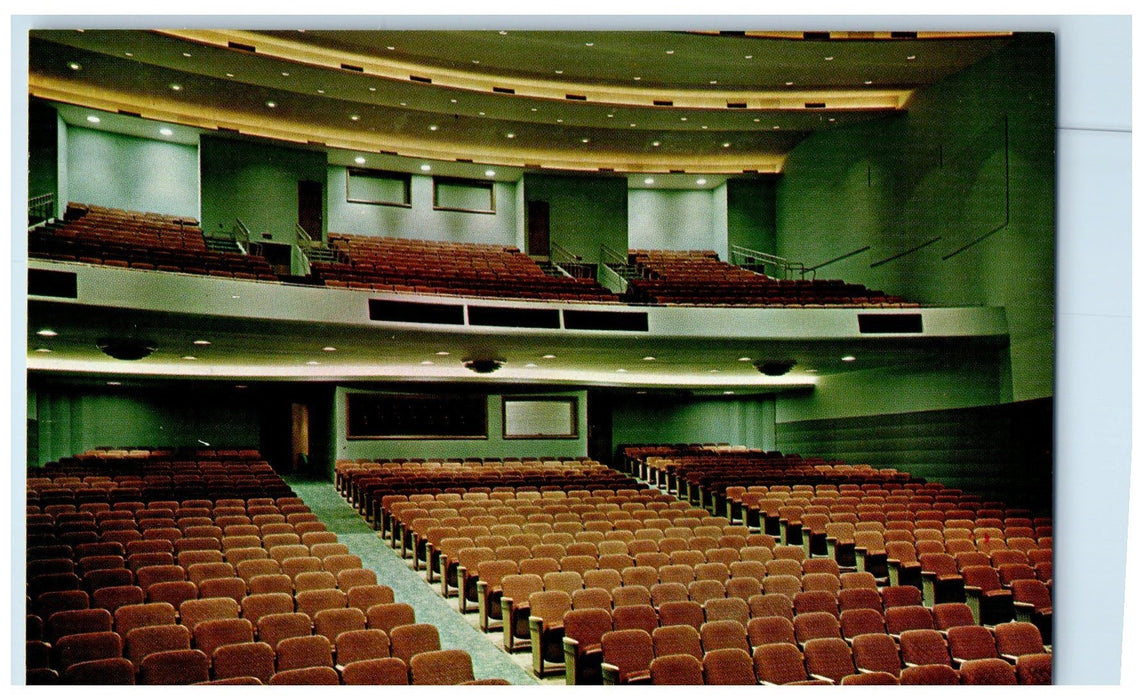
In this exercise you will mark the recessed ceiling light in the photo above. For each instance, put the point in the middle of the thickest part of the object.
(621, 371)
(406, 104)
(489, 173)
(589, 43)
(93, 119)
(114, 383)
(744, 359)
(637, 78)
(868, 82)
(510, 135)
(748, 57)
(74, 66)
(42, 350)
(649, 181)
(391, 48)
(47, 333)
(585, 140)
(726, 144)
(559, 121)
(176, 87)
(848, 358)
(632, 125)
(704, 126)
(241, 386)
(231, 75)
(535, 109)
(832, 119)
(789, 82)
(559, 71)
(503, 33)
(910, 58)
(235, 296)
(549, 357)
(354, 117)
(433, 127)
(329, 348)
(320, 91)
(728, 393)
(359, 160)
(313, 362)
(829, 58)
(776, 127)
(531, 365)
(427, 362)
(271, 104)
(714, 82)
(656, 143)
(202, 342)
(186, 54)
(453, 101)
(682, 119)
(165, 131)
(610, 116)
(476, 61)
(757, 120)
(372, 89)
(649, 358)
(670, 51)
(811, 371)
(190, 358)
(714, 371)
(426, 167)
(443, 353)
(700, 181)
(285, 74)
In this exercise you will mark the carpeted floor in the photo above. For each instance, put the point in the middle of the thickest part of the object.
(488, 660)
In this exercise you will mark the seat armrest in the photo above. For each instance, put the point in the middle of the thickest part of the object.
(820, 677)
(610, 673)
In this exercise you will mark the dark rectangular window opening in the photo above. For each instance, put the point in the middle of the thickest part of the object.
(890, 323)
(52, 283)
(372, 416)
(415, 312)
(513, 317)
(604, 321)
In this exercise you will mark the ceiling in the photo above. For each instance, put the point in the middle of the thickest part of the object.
(628, 101)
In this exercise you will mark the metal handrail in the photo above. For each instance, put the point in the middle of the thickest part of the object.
(241, 236)
(304, 239)
(42, 207)
(558, 254)
(740, 255)
(611, 279)
(610, 255)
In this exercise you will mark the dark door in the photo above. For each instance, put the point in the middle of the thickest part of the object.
(538, 214)
(309, 208)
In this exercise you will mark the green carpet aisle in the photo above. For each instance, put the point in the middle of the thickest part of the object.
(488, 661)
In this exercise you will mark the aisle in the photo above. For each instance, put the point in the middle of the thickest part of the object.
(488, 661)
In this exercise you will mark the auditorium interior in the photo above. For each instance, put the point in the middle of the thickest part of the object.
(521, 356)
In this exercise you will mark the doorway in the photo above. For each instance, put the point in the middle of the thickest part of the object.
(310, 208)
(538, 216)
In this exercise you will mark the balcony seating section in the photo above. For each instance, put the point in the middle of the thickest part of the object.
(208, 585)
(639, 561)
(140, 240)
(699, 278)
(462, 269)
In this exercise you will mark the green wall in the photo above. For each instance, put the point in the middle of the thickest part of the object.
(421, 221)
(71, 420)
(494, 446)
(652, 419)
(133, 173)
(256, 183)
(1000, 452)
(973, 154)
(586, 211)
(750, 214)
(677, 220)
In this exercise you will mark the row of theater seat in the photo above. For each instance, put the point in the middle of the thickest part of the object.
(225, 590)
(118, 238)
(431, 267)
(510, 573)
